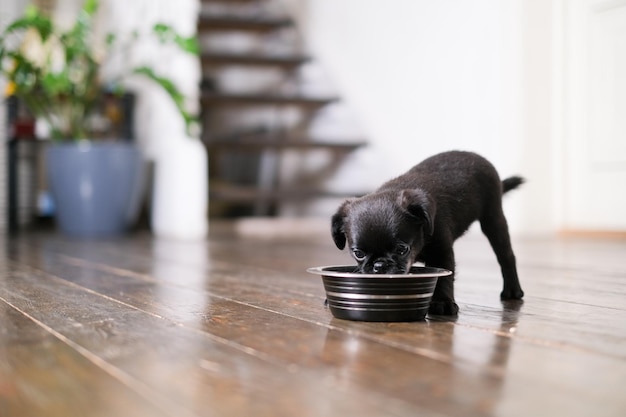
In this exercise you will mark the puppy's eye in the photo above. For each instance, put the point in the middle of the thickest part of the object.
(358, 254)
(402, 249)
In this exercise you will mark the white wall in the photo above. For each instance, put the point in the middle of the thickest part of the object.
(427, 76)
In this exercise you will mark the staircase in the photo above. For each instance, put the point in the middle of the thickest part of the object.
(257, 112)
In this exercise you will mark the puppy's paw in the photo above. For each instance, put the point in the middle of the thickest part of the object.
(443, 308)
(512, 294)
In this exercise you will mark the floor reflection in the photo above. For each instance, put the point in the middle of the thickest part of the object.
(452, 365)
(500, 354)
(180, 271)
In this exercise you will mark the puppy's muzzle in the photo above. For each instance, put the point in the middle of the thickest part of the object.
(380, 267)
(384, 266)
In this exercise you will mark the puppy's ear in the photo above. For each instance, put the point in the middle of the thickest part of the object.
(337, 225)
(420, 205)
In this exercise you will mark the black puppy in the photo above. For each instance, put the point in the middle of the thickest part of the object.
(419, 215)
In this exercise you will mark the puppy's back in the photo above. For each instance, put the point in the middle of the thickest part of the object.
(448, 173)
(464, 186)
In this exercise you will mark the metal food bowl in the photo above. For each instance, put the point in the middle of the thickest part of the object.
(379, 297)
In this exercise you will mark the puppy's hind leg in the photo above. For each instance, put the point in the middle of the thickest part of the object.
(495, 227)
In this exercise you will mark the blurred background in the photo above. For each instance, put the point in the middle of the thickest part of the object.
(307, 102)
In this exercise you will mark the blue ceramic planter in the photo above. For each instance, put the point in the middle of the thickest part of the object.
(96, 187)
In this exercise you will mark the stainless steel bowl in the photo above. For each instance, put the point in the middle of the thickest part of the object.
(379, 297)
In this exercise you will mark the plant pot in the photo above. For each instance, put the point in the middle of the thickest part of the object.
(96, 187)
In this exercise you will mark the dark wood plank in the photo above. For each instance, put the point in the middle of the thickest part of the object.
(489, 346)
(185, 371)
(294, 344)
(479, 311)
(42, 374)
(278, 274)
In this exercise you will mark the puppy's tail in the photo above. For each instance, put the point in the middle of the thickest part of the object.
(511, 183)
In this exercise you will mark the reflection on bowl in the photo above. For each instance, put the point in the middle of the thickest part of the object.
(379, 297)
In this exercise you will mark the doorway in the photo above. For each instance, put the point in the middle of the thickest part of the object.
(594, 116)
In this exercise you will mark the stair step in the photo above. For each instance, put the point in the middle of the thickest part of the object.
(227, 1)
(208, 23)
(284, 61)
(247, 194)
(264, 99)
(262, 143)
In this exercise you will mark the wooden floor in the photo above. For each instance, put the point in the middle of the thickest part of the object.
(235, 327)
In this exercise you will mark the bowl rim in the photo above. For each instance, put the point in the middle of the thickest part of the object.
(432, 272)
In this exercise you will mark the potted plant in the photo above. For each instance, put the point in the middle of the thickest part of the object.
(58, 74)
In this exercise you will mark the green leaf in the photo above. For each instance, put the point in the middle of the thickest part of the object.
(167, 85)
(162, 30)
(189, 45)
(170, 88)
(90, 7)
(56, 83)
(110, 39)
(166, 33)
(23, 73)
(32, 19)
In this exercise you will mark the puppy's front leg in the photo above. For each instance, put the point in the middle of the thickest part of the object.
(442, 303)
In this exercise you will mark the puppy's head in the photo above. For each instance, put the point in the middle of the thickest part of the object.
(385, 231)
